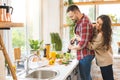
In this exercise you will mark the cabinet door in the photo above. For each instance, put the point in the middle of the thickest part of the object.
(69, 77)
(74, 75)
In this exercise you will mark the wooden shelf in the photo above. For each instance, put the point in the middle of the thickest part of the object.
(114, 24)
(95, 2)
(10, 24)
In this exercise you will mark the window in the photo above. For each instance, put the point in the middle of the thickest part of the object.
(29, 13)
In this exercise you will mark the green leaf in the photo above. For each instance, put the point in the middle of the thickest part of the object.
(35, 44)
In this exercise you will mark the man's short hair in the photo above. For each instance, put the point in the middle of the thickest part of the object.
(72, 8)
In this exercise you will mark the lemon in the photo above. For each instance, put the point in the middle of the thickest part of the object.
(51, 61)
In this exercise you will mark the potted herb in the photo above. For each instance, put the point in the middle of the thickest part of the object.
(36, 46)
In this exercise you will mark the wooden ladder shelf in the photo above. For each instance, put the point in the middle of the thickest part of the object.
(8, 25)
(2, 47)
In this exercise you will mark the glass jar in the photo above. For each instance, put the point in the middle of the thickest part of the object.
(47, 46)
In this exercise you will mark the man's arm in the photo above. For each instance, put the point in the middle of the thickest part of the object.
(83, 38)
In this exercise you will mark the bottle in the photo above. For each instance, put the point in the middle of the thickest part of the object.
(44, 53)
(69, 50)
(47, 46)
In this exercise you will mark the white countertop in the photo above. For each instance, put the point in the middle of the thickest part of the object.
(64, 70)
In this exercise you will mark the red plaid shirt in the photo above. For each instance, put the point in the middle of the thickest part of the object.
(84, 30)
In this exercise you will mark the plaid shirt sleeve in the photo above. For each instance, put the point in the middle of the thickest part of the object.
(84, 35)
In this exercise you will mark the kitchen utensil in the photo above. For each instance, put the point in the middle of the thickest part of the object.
(5, 13)
(9, 11)
(2, 13)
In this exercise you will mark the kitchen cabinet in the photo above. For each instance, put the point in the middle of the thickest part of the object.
(74, 75)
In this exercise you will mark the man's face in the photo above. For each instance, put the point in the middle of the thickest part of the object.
(72, 15)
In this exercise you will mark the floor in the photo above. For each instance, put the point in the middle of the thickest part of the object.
(96, 74)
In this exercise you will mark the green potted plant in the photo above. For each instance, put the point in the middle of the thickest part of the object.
(56, 41)
(68, 2)
(36, 46)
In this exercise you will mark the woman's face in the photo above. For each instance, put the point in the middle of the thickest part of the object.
(99, 24)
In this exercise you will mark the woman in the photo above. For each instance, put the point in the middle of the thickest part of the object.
(101, 44)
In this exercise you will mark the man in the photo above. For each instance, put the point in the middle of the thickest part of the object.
(83, 32)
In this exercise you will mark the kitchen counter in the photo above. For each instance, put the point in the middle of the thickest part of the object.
(64, 70)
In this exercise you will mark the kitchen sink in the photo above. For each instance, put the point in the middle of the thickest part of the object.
(43, 74)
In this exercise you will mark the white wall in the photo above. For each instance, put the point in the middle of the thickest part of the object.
(51, 20)
(1, 1)
(54, 15)
(8, 2)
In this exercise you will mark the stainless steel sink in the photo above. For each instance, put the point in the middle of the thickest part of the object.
(43, 74)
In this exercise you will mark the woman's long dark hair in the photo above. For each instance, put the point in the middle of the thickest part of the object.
(107, 30)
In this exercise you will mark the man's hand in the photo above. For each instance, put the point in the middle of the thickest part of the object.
(78, 38)
(74, 47)
(70, 47)
(72, 40)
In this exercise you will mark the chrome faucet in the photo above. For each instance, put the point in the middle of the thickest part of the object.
(27, 62)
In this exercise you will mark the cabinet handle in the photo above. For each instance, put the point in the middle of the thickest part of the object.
(76, 72)
(69, 77)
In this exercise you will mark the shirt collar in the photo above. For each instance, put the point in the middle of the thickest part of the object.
(80, 19)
